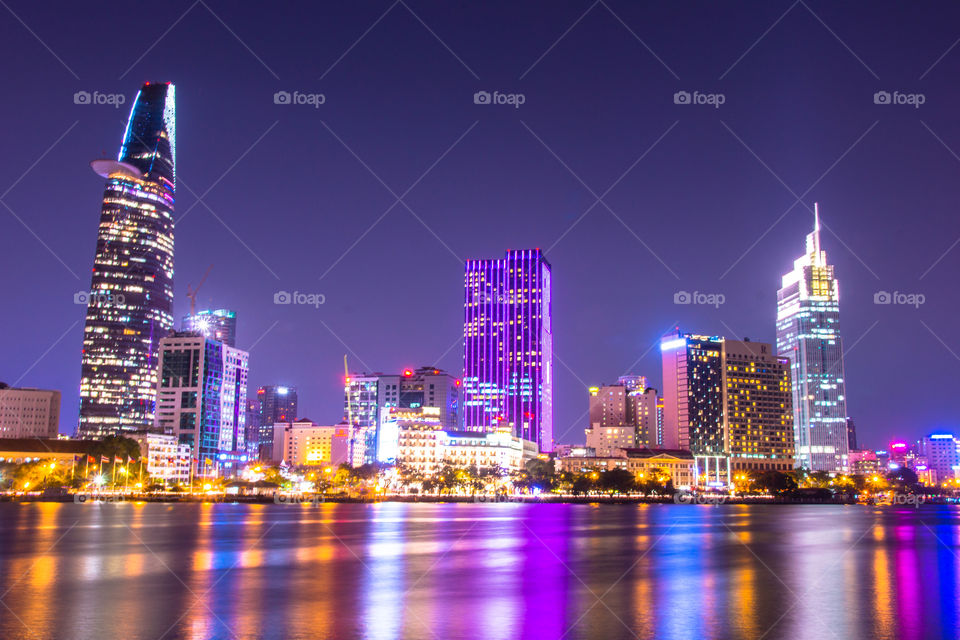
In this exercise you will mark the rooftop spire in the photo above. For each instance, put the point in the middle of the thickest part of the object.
(816, 228)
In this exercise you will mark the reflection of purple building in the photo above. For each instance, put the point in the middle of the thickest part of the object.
(508, 346)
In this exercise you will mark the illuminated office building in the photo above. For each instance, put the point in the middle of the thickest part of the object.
(130, 303)
(202, 399)
(728, 402)
(942, 452)
(219, 324)
(622, 415)
(366, 395)
(508, 346)
(277, 404)
(808, 333)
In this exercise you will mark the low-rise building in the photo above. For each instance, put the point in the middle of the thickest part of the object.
(167, 458)
(427, 450)
(606, 440)
(305, 444)
(29, 413)
(678, 464)
(865, 462)
(18, 450)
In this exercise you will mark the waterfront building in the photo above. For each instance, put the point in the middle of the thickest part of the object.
(219, 324)
(508, 346)
(202, 399)
(20, 450)
(423, 447)
(303, 443)
(29, 413)
(642, 462)
(808, 333)
(942, 453)
(277, 404)
(866, 462)
(167, 459)
(728, 402)
(367, 395)
(252, 437)
(130, 302)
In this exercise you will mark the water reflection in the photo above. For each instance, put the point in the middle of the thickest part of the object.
(392, 571)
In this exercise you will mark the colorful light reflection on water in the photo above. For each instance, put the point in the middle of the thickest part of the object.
(386, 571)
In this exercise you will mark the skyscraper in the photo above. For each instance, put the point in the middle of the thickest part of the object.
(728, 402)
(808, 333)
(508, 346)
(202, 399)
(130, 304)
(277, 404)
(219, 324)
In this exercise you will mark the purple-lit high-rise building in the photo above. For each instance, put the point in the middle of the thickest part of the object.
(508, 346)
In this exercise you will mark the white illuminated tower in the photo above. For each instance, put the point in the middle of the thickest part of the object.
(808, 333)
(131, 300)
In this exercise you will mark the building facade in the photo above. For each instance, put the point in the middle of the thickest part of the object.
(629, 404)
(201, 399)
(367, 395)
(644, 463)
(277, 404)
(219, 324)
(729, 403)
(168, 460)
(29, 413)
(808, 333)
(942, 453)
(305, 444)
(508, 346)
(130, 302)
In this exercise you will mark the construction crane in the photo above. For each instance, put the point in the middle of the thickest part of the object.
(192, 293)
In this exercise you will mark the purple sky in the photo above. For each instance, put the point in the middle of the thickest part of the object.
(694, 198)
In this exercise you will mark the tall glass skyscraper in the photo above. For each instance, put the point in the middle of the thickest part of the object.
(508, 346)
(219, 324)
(808, 333)
(131, 299)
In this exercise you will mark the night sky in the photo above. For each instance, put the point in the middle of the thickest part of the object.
(693, 197)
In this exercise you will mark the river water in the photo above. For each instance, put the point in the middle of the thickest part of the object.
(446, 571)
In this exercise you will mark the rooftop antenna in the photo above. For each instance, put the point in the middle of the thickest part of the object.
(346, 382)
(192, 292)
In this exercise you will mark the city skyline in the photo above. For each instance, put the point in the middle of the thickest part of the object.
(505, 184)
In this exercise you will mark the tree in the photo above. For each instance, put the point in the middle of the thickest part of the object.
(617, 481)
(115, 447)
(773, 481)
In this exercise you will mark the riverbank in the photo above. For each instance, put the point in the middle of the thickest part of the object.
(679, 499)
